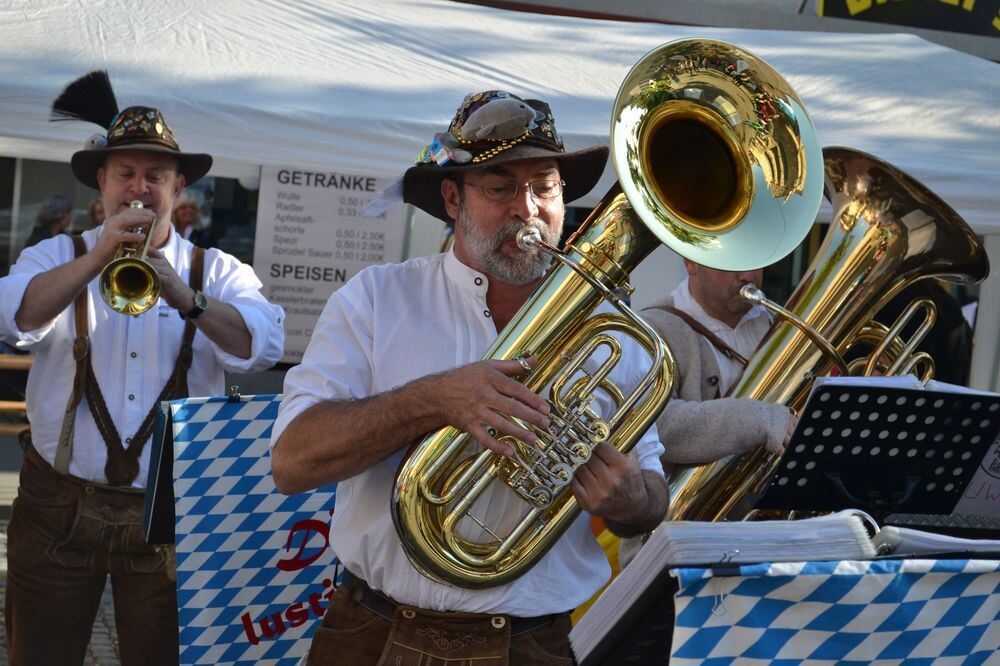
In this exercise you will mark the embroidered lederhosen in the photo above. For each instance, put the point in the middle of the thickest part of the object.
(123, 461)
(712, 338)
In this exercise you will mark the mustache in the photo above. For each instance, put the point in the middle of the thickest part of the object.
(511, 227)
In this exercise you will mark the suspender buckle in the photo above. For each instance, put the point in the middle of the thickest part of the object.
(81, 348)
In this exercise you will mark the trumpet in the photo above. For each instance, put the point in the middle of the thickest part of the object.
(129, 284)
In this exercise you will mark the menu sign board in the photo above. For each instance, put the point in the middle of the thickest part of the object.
(311, 238)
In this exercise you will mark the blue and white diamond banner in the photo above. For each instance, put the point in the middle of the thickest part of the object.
(874, 612)
(254, 567)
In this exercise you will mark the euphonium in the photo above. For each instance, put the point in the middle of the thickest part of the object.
(715, 157)
(887, 231)
(129, 284)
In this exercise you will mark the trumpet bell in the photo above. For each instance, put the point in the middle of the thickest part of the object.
(129, 286)
(717, 154)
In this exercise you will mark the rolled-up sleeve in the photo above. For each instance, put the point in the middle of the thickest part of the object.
(235, 283)
(33, 261)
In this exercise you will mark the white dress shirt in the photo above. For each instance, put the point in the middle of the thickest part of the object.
(392, 324)
(743, 339)
(132, 357)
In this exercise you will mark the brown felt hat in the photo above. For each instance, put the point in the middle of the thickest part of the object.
(490, 128)
(91, 98)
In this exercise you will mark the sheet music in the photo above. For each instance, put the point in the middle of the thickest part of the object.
(838, 536)
(903, 541)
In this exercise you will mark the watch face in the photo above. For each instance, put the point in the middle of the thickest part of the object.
(200, 300)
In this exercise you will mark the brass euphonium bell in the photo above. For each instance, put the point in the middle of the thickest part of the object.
(129, 284)
(706, 139)
(887, 231)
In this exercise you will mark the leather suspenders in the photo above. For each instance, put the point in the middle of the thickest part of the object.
(716, 341)
(123, 461)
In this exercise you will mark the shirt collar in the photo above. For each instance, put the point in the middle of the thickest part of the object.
(463, 276)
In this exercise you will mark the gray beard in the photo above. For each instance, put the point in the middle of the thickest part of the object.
(520, 268)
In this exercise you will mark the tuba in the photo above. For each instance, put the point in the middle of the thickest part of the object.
(715, 157)
(887, 231)
(129, 284)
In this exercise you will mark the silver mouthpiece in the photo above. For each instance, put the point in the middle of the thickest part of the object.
(750, 292)
(135, 204)
(528, 239)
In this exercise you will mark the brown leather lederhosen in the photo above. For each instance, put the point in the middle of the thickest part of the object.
(712, 338)
(123, 463)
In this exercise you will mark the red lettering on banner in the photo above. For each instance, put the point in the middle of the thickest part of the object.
(306, 528)
(295, 615)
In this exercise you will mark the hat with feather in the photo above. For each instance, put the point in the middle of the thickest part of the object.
(91, 99)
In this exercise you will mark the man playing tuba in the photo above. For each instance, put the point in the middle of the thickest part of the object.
(394, 356)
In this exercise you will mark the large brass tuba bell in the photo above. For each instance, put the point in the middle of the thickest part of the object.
(715, 157)
(888, 230)
(129, 284)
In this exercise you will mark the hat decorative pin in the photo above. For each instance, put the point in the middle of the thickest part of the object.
(489, 128)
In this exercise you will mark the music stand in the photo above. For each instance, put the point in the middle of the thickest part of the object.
(644, 634)
(158, 511)
(883, 449)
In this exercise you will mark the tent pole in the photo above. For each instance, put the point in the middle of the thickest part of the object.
(15, 213)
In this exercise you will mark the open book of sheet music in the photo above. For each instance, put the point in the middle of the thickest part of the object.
(845, 535)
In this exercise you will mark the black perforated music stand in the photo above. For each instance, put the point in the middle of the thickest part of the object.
(883, 450)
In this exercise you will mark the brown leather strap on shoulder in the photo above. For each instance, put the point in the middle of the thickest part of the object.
(715, 340)
(185, 357)
(81, 353)
(196, 276)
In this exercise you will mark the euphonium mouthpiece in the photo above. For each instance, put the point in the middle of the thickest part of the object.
(750, 292)
(529, 239)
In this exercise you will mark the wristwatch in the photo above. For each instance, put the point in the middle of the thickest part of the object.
(200, 303)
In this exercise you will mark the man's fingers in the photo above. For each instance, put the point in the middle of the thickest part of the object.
(581, 494)
(523, 394)
(585, 475)
(516, 367)
(608, 454)
(517, 409)
(487, 437)
(507, 427)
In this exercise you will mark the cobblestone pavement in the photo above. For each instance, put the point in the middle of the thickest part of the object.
(103, 650)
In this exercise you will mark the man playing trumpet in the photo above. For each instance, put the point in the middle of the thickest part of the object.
(97, 377)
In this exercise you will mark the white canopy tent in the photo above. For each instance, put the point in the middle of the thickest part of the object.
(359, 86)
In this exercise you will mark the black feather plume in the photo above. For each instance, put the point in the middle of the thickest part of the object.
(89, 98)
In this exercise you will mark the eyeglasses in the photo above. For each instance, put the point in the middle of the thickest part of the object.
(540, 189)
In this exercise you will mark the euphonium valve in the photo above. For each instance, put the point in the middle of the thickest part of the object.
(716, 158)
(129, 284)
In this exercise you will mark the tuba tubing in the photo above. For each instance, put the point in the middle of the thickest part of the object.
(887, 231)
(715, 158)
